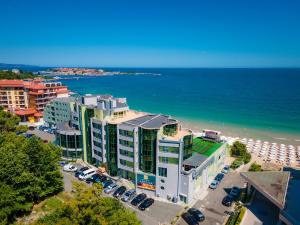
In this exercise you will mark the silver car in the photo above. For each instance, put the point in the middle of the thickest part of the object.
(128, 195)
(110, 188)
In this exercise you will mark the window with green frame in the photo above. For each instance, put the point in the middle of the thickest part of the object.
(126, 153)
(126, 133)
(97, 144)
(97, 126)
(163, 172)
(126, 143)
(168, 160)
(169, 149)
(97, 135)
(126, 163)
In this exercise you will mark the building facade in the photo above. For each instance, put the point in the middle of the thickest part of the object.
(152, 151)
(28, 98)
(58, 111)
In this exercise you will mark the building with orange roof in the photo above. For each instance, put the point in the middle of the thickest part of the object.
(28, 98)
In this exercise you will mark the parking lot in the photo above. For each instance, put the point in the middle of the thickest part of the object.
(159, 213)
(211, 206)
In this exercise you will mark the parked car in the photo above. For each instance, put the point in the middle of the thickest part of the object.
(146, 204)
(94, 178)
(138, 199)
(189, 219)
(227, 200)
(225, 170)
(86, 174)
(103, 179)
(106, 183)
(214, 184)
(26, 135)
(119, 192)
(81, 170)
(110, 188)
(197, 214)
(128, 195)
(42, 128)
(235, 192)
(219, 177)
(70, 168)
(31, 128)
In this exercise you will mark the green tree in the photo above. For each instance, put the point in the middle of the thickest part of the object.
(12, 76)
(90, 208)
(239, 150)
(22, 128)
(29, 173)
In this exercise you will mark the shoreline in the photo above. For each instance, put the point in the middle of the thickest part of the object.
(230, 130)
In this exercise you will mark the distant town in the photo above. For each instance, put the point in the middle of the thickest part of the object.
(78, 71)
(88, 72)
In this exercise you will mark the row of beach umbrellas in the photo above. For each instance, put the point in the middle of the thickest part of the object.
(278, 153)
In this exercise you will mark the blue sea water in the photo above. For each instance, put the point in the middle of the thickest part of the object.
(267, 99)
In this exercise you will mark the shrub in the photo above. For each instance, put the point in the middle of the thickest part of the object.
(236, 164)
(247, 157)
(255, 167)
(240, 217)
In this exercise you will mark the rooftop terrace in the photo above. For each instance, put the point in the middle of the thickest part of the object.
(152, 121)
(203, 147)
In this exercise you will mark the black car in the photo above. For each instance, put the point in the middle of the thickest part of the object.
(197, 214)
(107, 183)
(119, 191)
(102, 178)
(94, 178)
(138, 199)
(189, 219)
(81, 170)
(235, 192)
(227, 200)
(146, 204)
(219, 177)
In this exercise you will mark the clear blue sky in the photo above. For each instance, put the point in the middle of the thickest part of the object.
(151, 33)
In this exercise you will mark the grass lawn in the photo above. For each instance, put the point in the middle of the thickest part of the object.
(204, 147)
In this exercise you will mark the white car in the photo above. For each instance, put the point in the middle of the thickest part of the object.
(70, 168)
(86, 174)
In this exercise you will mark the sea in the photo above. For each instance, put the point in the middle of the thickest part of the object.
(254, 103)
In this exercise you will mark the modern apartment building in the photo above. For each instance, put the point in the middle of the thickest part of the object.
(58, 111)
(27, 98)
(153, 151)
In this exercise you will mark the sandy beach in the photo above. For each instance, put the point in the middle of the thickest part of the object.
(243, 132)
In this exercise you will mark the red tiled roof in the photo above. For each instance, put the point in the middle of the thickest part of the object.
(12, 83)
(25, 112)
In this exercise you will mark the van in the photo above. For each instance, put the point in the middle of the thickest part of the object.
(86, 174)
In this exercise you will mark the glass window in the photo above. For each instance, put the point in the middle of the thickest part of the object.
(126, 153)
(174, 150)
(168, 160)
(162, 172)
(126, 133)
(126, 163)
(126, 143)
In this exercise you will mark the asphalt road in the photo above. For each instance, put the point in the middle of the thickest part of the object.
(158, 213)
(211, 206)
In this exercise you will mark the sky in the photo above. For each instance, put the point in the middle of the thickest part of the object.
(153, 33)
